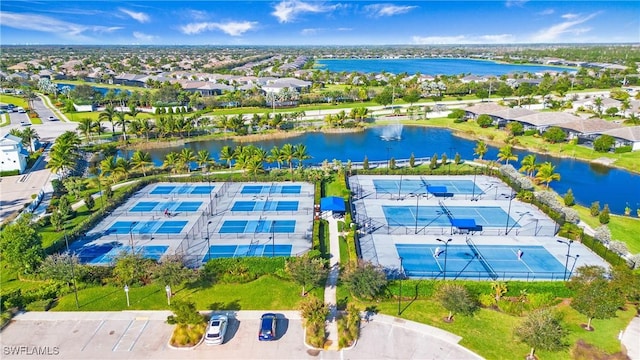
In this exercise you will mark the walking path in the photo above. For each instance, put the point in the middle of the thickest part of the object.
(631, 339)
(330, 287)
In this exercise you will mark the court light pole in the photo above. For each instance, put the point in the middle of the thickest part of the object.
(73, 272)
(417, 207)
(273, 238)
(446, 251)
(208, 242)
(401, 275)
(575, 260)
(131, 235)
(473, 190)
(506, 228)
(566, 261)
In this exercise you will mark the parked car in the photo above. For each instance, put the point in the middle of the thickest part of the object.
(52, 118)
(22, 111)
(268, 328)
(216, 329)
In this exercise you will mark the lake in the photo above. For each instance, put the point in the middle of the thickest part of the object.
(431, 66)
(588, 182)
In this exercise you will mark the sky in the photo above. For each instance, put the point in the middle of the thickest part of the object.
(301, 22)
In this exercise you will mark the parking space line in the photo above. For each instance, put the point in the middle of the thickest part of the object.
(94, 334)
(130, 335)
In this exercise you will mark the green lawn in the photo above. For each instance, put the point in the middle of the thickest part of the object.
(15, 100)
(623, 228)
(490, 333)
(267, 292)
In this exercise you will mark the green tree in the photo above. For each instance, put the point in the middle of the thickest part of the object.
(385, 97)
(226, 154)
(306, 271)
(554, 135)
(457, 115)
(528, 165)
(603, 143)
(365, 163)
(569, 199)
(392, 163)
(456, 299)
(109, 114)
(484, 121)
(131, 268)
(541, 329)
(141, 160)
(481, 149)
(21, 246)
(596, 300)
(301, 154)
(594, 209)
(185, 313)
(433, 162)
(412, 161)
(411, 96)
(172, 272)
(546, 173)
(515, 128)
(506, 153)
(365, 280)
(89, 202)
(604, 217)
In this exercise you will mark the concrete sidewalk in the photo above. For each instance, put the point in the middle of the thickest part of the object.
(631, 339)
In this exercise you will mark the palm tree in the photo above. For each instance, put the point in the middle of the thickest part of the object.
(121, 119)
(123, 168)
(254, 166)
(506, 153)
(275, 156)
(185, 158)
(301, 154)
(109, 114)
(480, 149)
(528, 165)
(288, 154)
(226, 154)
(171, 162)
(108, 167)
(64, 153)
(204, 160)
(141, 160)
(546, 173)
(86, 126)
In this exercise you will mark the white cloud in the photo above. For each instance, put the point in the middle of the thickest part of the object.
(569, 16)
(48, 24)
(142, 36)
(379, 10)
(555, 32)
(232, 28)
(196, 14)
(519, 3)
(464, 39)
(546, 12)
(137, 16)
(312, 31)
(288, 10)
(344, 29)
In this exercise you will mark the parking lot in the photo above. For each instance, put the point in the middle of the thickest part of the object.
(145, 335)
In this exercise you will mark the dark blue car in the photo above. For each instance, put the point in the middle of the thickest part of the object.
(267, 327)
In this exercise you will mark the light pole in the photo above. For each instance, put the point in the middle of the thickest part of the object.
(208, 242)
(168, 290)
(566, 261)
(131, 235)
(273, 238)
(446, 244)
(73, 272)
(506, 228)
(575, 260)
(400, 187)
(210, 199)
(101, 194)
(126, 292)
(417, 207)
(473, 191)
(401, 275)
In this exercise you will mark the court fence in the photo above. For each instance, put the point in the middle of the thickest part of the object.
(485, 276)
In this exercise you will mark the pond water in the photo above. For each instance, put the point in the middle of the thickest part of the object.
(433, 67)
(589, 182)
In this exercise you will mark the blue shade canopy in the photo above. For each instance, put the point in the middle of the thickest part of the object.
(436, 189)
(332, 203)
(464, 223)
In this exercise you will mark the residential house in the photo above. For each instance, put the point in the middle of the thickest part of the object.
(13, 156)
(587, 130)
(626, 136)
(541, 121)
(475, 110)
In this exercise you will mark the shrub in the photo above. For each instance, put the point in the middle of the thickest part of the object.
(594, 210)
(618, 247)
(604, 216)
(569, 199)
(622, 149)
(243, 269)
(571, 215)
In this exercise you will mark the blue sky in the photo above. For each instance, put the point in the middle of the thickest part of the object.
(293, 22)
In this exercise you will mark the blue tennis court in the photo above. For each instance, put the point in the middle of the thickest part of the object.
(172, 206)
(479, 261)
(265, 206)
(154, 252)
(410, 186)
(270, 189)
(257, 226)
(227, 251)
(486, 216)
(148, 227)
(182, 189)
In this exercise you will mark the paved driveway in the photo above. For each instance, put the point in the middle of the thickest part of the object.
(145, 335)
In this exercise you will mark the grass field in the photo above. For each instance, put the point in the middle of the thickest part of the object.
(490, 333)
(623, 228)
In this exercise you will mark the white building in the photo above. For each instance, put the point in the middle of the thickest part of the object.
(13, 156)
